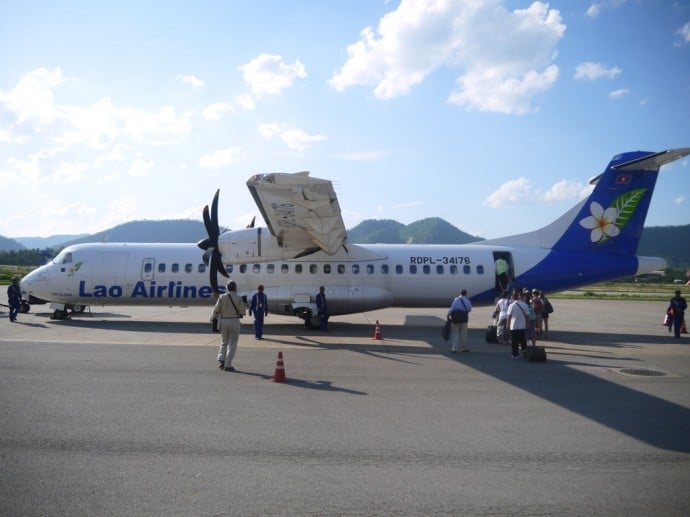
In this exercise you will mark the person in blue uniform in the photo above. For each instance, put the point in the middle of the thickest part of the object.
(259, 308)
(322, 308)
(679, 306)
(14, 298)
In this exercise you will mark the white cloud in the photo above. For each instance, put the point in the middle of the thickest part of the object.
(221, 158)
(217, 111)
(617, 94)
(593, 11)
(246, 101)
(269, 75)
(590, 71)
(566, 190)
(34, 110)
(295, 139)
(192, 81)
(520, 191)
(683, 35)
(70, 172)
(499, 51)
(140, 168)
(511, 193)
(299, 140)
(679, 200)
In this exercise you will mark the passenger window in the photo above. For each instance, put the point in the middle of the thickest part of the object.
(201, 268)
(270, 268)
(175, 268)
(312, 269)
(398, 269)
(466, 269)
(161, 268)
(370, 269)
(298, 268)
(229, 268)
(413, 269)
(257, 268)
(148, 267)
(480, 270)
(355, 269)
(384, 269)
(327, 269)
(341, 269)
(188, 268)
(439, 270)
(453, 269)
(284, 268)
(243, 268)
(426, 269)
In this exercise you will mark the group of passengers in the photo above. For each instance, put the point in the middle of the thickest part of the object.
(521, 317)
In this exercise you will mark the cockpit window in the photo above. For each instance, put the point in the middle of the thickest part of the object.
(64, 257)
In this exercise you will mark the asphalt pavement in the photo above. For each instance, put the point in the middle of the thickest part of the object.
(122, 411)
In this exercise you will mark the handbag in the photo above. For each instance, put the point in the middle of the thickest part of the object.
(548, 308)
(458, 316)
(445, 331)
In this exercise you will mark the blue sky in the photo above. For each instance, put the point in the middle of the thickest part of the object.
(491, 115)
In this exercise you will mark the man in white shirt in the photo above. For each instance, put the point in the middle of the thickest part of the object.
(517, 322)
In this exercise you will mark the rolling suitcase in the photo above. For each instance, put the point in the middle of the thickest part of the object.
(535, 354)
(491, 336)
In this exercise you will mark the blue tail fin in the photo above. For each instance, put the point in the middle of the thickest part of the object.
(611, 219)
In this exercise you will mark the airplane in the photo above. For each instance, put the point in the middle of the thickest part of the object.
(305, 246)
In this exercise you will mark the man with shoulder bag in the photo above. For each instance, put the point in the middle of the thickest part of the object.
(458, 314)
(228, 310)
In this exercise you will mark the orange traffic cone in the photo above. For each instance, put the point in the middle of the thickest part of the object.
(279, 375)
(377, 332)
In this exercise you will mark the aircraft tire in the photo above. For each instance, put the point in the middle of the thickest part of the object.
(78, 309)
(25, 307)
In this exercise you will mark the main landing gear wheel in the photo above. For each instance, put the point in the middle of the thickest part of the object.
(25, 307)
(78, 309)
(60, 315)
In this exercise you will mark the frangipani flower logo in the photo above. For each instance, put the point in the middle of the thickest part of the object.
(606, 224)
(74, 268)
(601, 222)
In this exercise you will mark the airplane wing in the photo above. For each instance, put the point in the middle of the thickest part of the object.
(300, 209)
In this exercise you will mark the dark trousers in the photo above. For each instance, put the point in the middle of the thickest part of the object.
(678, 323)
(259, 324)
(518, 341)
(14, 310)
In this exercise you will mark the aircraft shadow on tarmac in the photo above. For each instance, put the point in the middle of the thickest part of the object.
(650, 419)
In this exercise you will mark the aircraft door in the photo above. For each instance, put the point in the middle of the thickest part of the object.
(148, 266)
(504, 271)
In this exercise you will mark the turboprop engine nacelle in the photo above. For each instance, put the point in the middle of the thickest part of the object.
(258, 245)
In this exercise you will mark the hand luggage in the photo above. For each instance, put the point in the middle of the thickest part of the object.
(535, 354)
(491, 334)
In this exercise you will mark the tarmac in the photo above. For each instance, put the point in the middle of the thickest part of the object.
(123, 411)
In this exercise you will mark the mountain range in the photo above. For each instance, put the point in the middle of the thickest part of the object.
(669, 242)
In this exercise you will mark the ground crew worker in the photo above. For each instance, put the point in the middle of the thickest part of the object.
(14, 298)
(259, 308)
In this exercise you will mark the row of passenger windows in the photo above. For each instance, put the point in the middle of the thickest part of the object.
(326, 269)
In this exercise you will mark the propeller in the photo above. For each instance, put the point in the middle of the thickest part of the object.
(210, 243)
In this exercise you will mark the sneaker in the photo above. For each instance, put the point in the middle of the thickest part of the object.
(515, 357)
(454, 351)
(463, 349)
(229, 369)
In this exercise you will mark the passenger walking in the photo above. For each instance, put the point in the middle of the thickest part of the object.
(678, 305)
(547, 309)
(259, 308)
(501, 311)
(14, 298)
(458, 314)
(538, 305)
(228, 309)
(517, 322)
